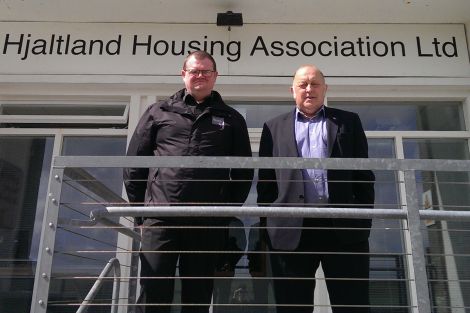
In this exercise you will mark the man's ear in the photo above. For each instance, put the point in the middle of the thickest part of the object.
(183, 73)
(292, 91)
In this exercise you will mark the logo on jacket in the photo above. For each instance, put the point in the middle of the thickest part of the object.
(219, 121)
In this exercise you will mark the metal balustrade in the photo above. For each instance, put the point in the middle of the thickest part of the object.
(113, 265)
(78, 188)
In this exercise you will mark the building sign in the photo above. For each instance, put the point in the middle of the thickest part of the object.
(252, 50)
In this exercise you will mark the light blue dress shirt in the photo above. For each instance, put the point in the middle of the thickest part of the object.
(311, 137)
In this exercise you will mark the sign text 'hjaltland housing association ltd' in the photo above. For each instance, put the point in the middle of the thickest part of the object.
(148, 49)
(24, 45)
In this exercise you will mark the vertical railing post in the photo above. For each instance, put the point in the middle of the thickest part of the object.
(112, 265)
(46, 247)
(417, 248)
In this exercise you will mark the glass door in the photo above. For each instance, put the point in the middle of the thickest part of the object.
(446, 242)
(24, 174)
(84, 251)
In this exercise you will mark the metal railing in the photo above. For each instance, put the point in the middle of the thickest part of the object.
(418, 282)
(113, 265)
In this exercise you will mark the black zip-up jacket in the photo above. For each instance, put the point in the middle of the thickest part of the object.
(172, 128)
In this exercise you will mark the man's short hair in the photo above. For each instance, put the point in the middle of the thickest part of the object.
(200, 55)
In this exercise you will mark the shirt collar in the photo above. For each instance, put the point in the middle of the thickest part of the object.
(189, 99)
(299, 116)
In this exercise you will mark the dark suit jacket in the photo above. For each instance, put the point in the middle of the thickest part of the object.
(346, 139)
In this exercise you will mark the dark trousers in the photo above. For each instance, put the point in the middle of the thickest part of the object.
(161, 250)
(294, 294)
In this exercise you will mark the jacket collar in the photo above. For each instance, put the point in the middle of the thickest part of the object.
(176, 103)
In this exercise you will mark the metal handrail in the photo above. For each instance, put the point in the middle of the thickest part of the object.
(271, 211)
(262, 162)
(70, 166)
(112, 264)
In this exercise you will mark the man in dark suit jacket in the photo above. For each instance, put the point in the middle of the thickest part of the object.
(341, 245)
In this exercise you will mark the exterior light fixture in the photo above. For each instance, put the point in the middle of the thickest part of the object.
(229, 19)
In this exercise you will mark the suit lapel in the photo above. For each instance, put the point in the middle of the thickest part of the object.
(291, 143)
(332, 129)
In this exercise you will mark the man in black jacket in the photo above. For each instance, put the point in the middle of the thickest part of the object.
(193, 122)
(341, 245)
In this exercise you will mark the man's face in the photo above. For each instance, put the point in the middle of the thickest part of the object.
(309, 90)
(198, 84)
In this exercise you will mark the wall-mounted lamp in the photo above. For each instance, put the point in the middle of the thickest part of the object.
(229, 19)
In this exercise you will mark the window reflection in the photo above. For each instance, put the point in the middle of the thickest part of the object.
(407, 115)
(375, 115)
(82, 251)
(258, 112)
(24, 174)
(446, 242)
